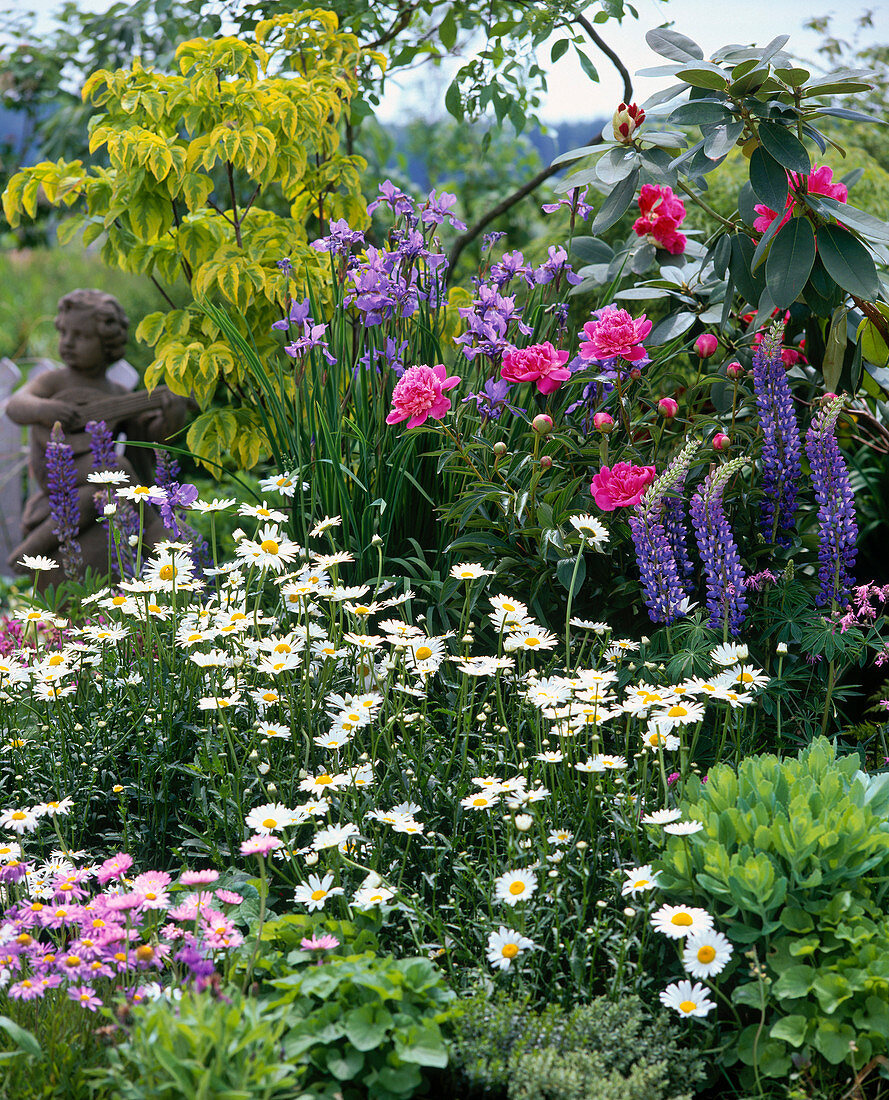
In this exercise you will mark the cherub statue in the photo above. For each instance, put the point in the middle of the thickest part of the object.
(92, 330)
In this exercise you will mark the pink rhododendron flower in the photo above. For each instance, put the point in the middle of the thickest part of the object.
(615, 334)
(621, 486)
(419, 394)
(540, 363)
(819, 182)
(662, 213)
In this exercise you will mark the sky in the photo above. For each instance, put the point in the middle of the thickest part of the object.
(571, 96)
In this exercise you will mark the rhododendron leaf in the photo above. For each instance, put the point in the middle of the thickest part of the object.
(873, 228)
(592, 250)
(721, 139)
(761, 250)
(790, 261)
(710, 77)
(617, 203)
(565, 573)
(670, 328)
(617, 164)
(784, 146)
(676, 46)
(835, 349)
(768, 179)
(741, 266)
(700, 112)
(847, 261)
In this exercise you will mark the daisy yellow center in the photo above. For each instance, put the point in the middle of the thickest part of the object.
(141, 491)
(687, 1006)
(263, 512)
(85, 996)
(362, 610)
(706, 954)
(640, 883)
(98, 923)
(681, 919)
(423, 653)
(167, 572)
(466, 573)
(516, 888)
(19, 816)
(144, 952)
(270, 823)
(268, 546)
(509, 950)
(118, 601)
(677, 711)
(532, 641)
(151, 896)
(56, 659)
(282, 647)
(317, 895)
(511, 607)
(153, 607)
(27, 983)
(745, 677)
(269, 697)
(194, 637)
(120, 956)
(479, 801)
(65, 887)
(238, 616)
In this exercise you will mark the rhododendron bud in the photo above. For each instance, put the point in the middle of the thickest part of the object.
(734, 370)
(706, 344)
(546, 462)
(603, 422)
(499, 449)
(721, 442)
(627, 119)
(667, 407)
(542, 424)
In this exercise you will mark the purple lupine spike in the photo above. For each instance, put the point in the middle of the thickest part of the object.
(726, 580)
(663, 589)
(64, 501)
(781, 449)
(675, 528)
(837, 529)
(101, 445)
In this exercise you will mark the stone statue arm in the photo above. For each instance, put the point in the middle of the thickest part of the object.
(34, 403)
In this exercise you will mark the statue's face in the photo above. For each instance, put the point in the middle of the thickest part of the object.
(80, 345)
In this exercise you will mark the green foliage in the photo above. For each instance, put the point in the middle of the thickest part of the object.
(47, 1052)
(190, 155)
(793, 863)
(613, 1051)
(200, 1046)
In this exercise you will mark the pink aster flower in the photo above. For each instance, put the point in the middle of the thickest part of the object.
(621, 486)
(819, 182)
(419, 394)
(115, 867)
(662, 212)
(540, 363)
(199, 878)
(615, 335)
(320, 943)
(85, 996)
(229, 897)
(260, 845)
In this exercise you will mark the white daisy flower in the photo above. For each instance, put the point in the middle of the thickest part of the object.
(316, 892)
(661, 817)
(729, 654)
(683, 828)
(679, 921)
(591, 529)
(639, 879)
(505, 945)
(470, 571)
(333, 836)
(515, 886)
(270, 818)
(688, 999)
(19, 820)
(706, 954)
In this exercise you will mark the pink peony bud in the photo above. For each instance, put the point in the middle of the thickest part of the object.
(546, 462)
(721, 442)
(542, 424)
(627, 119)
(603, 422)
(706, 344)
(499, 449)
(734, 370)
(667, 407)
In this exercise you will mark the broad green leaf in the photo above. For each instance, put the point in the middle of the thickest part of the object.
(677, 47)
(558, 49)
(565, 572)
(867, 225)
(617, 203)
(748, 282)
(784, 146)
(701, 112)
(670, 328)
(790, 261)
(720, 140)
(447, 30)
(792, 1029)
(617, 164)
(833, 1040)
(768, 179)
(795, 981)
(23, 1039)
(847, 261)
(712, 78)
(592, 250)
(835, 349)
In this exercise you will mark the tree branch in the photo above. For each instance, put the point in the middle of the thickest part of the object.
(542, 176)
(398, 25)
(166, 297)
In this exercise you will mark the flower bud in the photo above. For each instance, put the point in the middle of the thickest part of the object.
(542, 424)
(603, 422)
(721, 442)
(734, 370)
(706, 344)
(311, 859)
(781, 649)
(635, 374)
(499, 449)
(545, 462)
(667, 407)
(523, 822)
(627, 119)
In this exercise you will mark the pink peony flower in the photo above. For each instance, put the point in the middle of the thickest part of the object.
(614, 334)
(662, 212)
(603, 422)
(706, 345)
(621, 486)
(540, 363)
(819, 182)
(419, 394)
(668, 407)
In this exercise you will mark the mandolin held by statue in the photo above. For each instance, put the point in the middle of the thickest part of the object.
(115, 408)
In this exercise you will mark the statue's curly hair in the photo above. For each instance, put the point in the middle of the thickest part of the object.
(112, 323)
